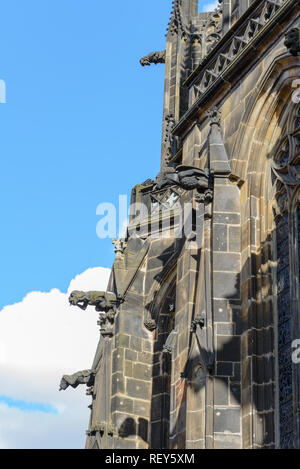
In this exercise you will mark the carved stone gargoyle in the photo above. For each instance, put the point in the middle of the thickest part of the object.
(103, 301)
(186, 177)
(154, 58)
(86, 376)
(81, 377)
(292, 41)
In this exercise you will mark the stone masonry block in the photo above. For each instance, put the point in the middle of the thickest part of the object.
(137, 388)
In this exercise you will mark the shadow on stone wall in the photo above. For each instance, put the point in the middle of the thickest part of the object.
(242, 374)
(131, 428)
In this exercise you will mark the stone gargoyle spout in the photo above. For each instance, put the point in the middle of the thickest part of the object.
(186, 177)
(81, 377)
(154, 58)
(103, 301)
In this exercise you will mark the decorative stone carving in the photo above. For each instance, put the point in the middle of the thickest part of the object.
(153, 58)
(106, 302)
(186, 177)
(150, 324)
(234, 45)
(177, 24)
(106, 323)
(286, 168)
(103, 301)
(292, 41)
(120, 246)
(82, 377)
(214, 116)
(110, 429)
(169, 139)
(102, 427)
(206, 197)
(198, 321)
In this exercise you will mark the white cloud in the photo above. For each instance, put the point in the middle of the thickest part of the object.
(210, 6)
(41, 339)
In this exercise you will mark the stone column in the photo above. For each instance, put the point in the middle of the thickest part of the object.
(226, 293)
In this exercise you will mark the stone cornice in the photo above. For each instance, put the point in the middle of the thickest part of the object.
(243, 58)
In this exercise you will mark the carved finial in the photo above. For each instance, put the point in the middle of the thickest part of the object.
(214, 116)
(120, 246)
(177, 24)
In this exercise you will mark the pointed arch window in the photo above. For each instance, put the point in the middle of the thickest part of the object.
(286, 173)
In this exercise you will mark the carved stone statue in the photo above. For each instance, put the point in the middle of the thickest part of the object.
(82, 377)
(153, 58)
(103, 301)
(292, 41)
(186, 177)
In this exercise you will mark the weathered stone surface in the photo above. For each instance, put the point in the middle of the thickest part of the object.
(221, 391)
(220, 242)
(118, 385)
(141, 371)
(122, 340)
(141, 407)
(227, 218)
(226, 285)
(222, 312)
(227, 420)
(227, 199)
(138, 388)
(145, 357)
(131, 355)
(122, 404)
(136, 343)
(117, 361)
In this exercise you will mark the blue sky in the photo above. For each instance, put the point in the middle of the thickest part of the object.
(81, 125)
(27, 406)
